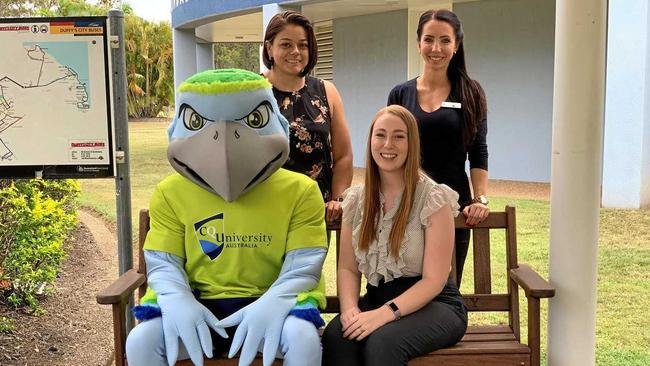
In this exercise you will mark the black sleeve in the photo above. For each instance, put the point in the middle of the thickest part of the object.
(394, 97)
(478, 150)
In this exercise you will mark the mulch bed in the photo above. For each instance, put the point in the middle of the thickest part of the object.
(75, 330)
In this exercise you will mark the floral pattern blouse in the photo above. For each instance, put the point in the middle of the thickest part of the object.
(377, 263)
(308, 113)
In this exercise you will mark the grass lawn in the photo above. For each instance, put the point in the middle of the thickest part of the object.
(622, 327)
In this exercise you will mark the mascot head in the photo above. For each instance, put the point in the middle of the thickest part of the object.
(228, 134)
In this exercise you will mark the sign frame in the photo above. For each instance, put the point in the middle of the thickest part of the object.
(72, 170)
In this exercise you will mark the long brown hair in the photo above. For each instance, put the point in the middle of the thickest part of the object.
(371, 205)
(277, 24)
(463, 88)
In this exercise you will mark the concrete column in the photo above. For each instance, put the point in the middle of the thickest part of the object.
(268, 11)
(184, 42)
(626, 164)
(204, 57)
(578, 108)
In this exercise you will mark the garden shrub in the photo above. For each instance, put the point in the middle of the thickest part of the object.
(6, 324)
(35, 219)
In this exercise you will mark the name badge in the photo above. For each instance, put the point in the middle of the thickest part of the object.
(450, 105)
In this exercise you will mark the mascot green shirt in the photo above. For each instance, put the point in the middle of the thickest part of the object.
(235, 250)
(232, 235)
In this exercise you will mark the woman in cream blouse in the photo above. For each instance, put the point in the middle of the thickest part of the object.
(398, 231)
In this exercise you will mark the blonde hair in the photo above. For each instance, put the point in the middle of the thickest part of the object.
(371, 205)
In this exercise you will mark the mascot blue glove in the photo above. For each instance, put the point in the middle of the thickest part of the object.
(166, 277)
(264, 319)
(232, 234)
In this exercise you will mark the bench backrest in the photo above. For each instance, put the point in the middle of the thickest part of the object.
(482, 300)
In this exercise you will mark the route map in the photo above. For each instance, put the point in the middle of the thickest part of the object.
(54, 97)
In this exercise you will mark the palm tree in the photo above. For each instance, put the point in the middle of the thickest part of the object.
(149, 61)
(148, 49)
(21, 8)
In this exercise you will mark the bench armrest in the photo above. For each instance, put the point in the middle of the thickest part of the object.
(532, 283)
(120, 290)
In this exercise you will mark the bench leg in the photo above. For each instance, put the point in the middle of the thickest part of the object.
(533, 330)
(119, 332)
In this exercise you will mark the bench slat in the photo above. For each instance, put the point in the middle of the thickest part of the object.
(472, 360)
(226, 362)
(333, 305)
(482, 268)
(481, 302)
(506, 352)
(496, 220)
(480, 329)
(502, 351)
(487, 347)
(488, 337)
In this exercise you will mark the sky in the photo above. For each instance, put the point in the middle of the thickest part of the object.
(154, 10)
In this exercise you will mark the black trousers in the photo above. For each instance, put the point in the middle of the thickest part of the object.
(441, 323)
(461, 248)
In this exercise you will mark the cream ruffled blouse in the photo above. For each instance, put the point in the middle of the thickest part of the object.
(377, 263)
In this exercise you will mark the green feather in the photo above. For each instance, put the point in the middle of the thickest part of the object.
(150, 297)
(224, 81)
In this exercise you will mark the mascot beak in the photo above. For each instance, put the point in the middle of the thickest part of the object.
(228, 158)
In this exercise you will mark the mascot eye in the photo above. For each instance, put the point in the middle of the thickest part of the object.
(259, 117)
(192, 120)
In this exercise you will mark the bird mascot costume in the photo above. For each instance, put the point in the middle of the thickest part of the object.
(233, 235)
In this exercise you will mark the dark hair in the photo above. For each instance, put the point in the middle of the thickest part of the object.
(277, 24)
(469, 92)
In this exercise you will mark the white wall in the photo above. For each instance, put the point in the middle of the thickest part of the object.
(626, 163)
(370, 58)
(509, 47)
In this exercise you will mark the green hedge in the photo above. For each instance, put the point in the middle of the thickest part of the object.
(35, 219)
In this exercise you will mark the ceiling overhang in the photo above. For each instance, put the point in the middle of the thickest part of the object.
(246, 25)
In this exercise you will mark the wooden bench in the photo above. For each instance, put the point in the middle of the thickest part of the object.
(484, 345)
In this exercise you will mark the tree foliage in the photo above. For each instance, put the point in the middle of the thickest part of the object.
(54, 8)
(17, 8)
(149, 66)
(149, 59)
(243, 55)
(69, 8)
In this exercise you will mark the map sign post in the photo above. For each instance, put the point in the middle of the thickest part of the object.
(59, 117)
(123, 176)
(55, 115)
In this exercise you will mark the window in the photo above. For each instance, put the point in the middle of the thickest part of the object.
(324, 38)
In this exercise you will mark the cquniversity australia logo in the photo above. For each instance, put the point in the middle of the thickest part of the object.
(209, 233)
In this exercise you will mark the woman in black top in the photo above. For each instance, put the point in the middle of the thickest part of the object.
(319, 137)
(451, 112)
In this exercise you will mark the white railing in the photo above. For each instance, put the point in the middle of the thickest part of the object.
(176, 3)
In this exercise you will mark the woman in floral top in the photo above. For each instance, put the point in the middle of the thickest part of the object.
(319, 137)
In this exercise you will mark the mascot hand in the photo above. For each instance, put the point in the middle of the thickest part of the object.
(264, 318)
(182, 315)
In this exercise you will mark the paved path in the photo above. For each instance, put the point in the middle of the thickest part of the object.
(105, 239)
(106, 243)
